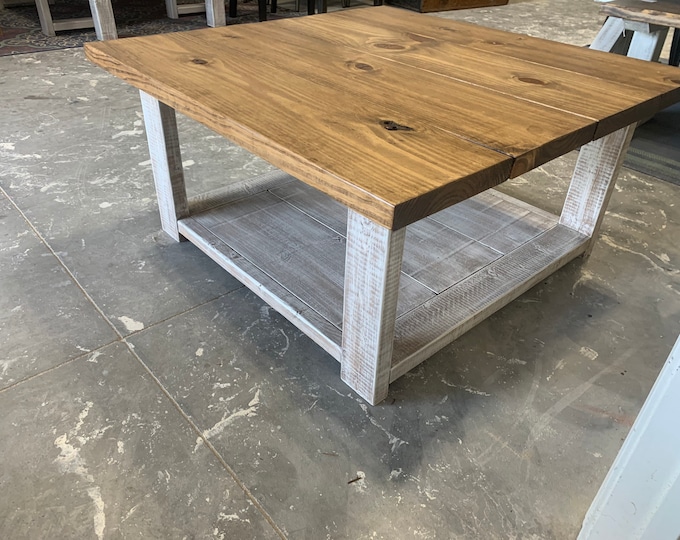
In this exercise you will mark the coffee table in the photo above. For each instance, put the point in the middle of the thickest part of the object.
(380, 237)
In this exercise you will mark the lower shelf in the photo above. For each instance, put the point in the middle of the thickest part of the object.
(286, 242)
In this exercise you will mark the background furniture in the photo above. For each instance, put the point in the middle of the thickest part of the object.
(426, 6)
(638, 499)
(639, 29)
(102, 20)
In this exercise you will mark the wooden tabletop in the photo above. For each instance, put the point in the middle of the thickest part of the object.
(394, 114)
(662, 12)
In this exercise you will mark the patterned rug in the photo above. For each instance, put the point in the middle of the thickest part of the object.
(655, 148)
(20, 27)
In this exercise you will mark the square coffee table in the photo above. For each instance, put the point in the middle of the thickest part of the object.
(380, 237)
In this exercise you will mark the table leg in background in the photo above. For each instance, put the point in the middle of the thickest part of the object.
(166, 162)
(372, 272)
(632, 38)
(593, 181)
(103, 20)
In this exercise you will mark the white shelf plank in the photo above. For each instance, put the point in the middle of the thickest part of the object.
(286, 241)
(441, 320)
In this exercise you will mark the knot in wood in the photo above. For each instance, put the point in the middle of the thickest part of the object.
(531, 80)
(363, 67)
(390, 46)
(199, 61)
(391, 125)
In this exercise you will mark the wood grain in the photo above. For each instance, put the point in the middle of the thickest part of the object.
(610, 104)
(657, 79)
(356, 123)
(593, 182)
(662, 12)
(372, 271)
(531, 132)
(435, 324)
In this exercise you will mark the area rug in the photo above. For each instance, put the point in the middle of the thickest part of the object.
(20, 27)
(655, 148)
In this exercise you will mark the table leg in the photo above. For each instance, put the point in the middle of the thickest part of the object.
(648, 42)
(216, 13)
(102, 17)
(45, 16)
(637, 40)
(593, 182)
(171, 9)
(372, 271)
(166, 162)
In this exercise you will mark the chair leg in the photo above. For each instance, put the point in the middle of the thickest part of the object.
(262, 9)
(311, 7)
(232, 8)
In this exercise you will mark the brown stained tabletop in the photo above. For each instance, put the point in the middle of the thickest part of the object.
(395, 114)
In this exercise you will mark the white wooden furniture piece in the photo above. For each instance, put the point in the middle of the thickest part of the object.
(639, 28)
(381, 238)
(214, 10)
(102, 20)
(640, 497)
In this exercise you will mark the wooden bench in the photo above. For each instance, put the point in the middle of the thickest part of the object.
(639, 28)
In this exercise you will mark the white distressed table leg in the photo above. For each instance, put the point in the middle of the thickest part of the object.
(593, 182)
(104, 22)
(171, 9)
(648, 42)
(45, 17)
(215, 13)
(611, 31)
(166, 162)
(372, 270)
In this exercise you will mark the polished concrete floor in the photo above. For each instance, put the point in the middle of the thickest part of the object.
(144, 393)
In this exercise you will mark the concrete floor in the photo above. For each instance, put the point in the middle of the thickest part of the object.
(119, 347)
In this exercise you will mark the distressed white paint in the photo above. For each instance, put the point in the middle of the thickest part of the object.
(102, 18)
(372, 271)
(166, 162)
(593, 181)
(638, 499)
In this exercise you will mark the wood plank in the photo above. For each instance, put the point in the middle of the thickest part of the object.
(372, 273)
(238, 190)
(324, 137)
(45, 16)
(103, 20)
(438, 256)
(322, 332)
(593, 181)
(661, 12)
(519, 232)
(435, 324)
(529, 131)
(262, 227)
(655, 78)
(166, 163)
(293, 249)
(608, 103)
(477, 218)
